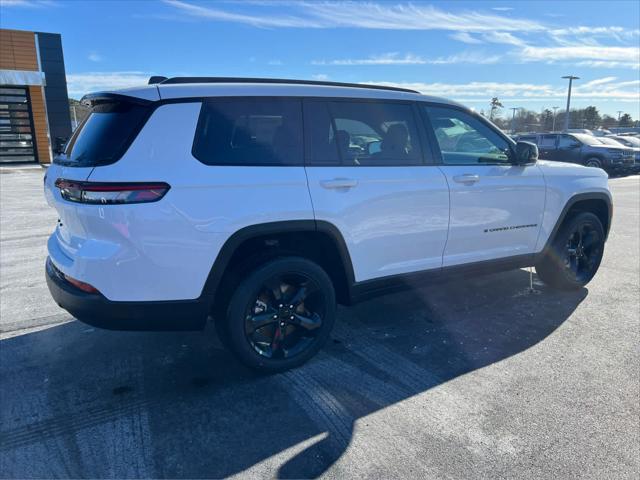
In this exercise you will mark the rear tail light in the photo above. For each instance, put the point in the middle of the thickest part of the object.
(111, 193)
(85, 287)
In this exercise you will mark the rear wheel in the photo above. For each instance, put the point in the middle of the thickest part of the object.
(594, 163)
(575, 253)
(281, 314)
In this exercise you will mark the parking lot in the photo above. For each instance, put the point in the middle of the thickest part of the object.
(474, 378)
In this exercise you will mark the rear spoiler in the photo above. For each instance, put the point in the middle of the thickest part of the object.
(93, 99)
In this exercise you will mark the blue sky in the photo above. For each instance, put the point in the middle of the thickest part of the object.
(468, 51)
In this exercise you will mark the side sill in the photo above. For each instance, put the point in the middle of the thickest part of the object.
(365, 290)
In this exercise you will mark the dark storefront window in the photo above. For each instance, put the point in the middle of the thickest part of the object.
(17, 142)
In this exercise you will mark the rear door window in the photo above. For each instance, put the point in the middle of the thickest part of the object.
(362, 133)
(250, 131)
(547, 141)
(105, 135)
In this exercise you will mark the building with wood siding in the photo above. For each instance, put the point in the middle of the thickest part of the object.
(34, 105)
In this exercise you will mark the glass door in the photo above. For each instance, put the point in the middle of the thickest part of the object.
(17, 136)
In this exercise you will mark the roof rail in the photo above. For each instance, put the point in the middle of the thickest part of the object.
(175, 80)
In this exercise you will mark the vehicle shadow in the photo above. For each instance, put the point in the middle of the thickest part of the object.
(81, 402)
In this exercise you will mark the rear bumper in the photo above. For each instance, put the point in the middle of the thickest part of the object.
(96, 310)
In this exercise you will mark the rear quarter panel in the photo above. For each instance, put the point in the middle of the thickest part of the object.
(165, 250)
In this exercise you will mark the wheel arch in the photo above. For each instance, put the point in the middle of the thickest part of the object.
(597, 203)
(250, 246)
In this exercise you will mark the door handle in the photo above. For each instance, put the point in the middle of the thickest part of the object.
(339, 183)
(467, 178)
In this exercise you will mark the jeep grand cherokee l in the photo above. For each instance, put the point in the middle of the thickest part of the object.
(263, 203)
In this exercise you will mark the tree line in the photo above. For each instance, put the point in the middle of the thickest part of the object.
(531, 121)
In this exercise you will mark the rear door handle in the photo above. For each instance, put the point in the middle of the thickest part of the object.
(467, 178)
(339, 183)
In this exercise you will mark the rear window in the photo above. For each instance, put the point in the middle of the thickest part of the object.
(105, 135)
(250, 131)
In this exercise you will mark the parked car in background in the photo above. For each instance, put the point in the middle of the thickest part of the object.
(583, 149)
(598, 132)
(631, 142)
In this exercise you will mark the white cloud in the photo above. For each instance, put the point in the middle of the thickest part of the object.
(332, 14)
(95, 57)
(275, 62)
(503, 37)
(595, 90)
(320, 76)
(79, 84)
(27, 3)
(535, 41)
(582, 52)
(611, 31)
(465, 37)
(394, 58)
(603, 64)
(599, 81)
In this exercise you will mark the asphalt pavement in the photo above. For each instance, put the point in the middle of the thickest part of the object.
(477, 378)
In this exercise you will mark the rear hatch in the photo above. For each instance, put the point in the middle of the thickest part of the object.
(102, 139)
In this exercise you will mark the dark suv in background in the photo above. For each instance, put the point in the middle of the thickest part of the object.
(583, 149)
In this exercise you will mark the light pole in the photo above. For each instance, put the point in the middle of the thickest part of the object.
(553, 128)
(513, 119)
(571, 78)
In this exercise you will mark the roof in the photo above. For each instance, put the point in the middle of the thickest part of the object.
(170, 91)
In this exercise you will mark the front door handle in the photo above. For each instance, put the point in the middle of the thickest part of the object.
(467, 178)
(339, 183)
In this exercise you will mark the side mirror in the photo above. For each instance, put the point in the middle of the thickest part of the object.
(374, 147)
(526, 153)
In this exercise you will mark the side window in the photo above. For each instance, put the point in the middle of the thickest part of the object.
(547, 141)
(250, 131)
(567, 141)
(361, 134)
(466, 140)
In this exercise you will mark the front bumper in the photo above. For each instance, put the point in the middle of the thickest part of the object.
(98, 311)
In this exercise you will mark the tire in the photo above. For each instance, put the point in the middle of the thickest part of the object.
(262, 329)
(593, 162)
(575, 253)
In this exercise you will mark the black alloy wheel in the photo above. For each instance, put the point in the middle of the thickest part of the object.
(575, 253)
(280, 314)
(583, 251)
(285, 316)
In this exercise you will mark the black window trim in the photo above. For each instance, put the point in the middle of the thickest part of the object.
(436, 146)
(428, 153)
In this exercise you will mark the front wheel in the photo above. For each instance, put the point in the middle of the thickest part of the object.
(594, 163)
(281, 314)
(575, 253)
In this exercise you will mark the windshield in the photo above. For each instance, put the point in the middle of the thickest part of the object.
(586, 139)
(104, 135)
(629, 141)
(610, 141)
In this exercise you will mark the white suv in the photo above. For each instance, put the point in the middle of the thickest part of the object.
(264, 202)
